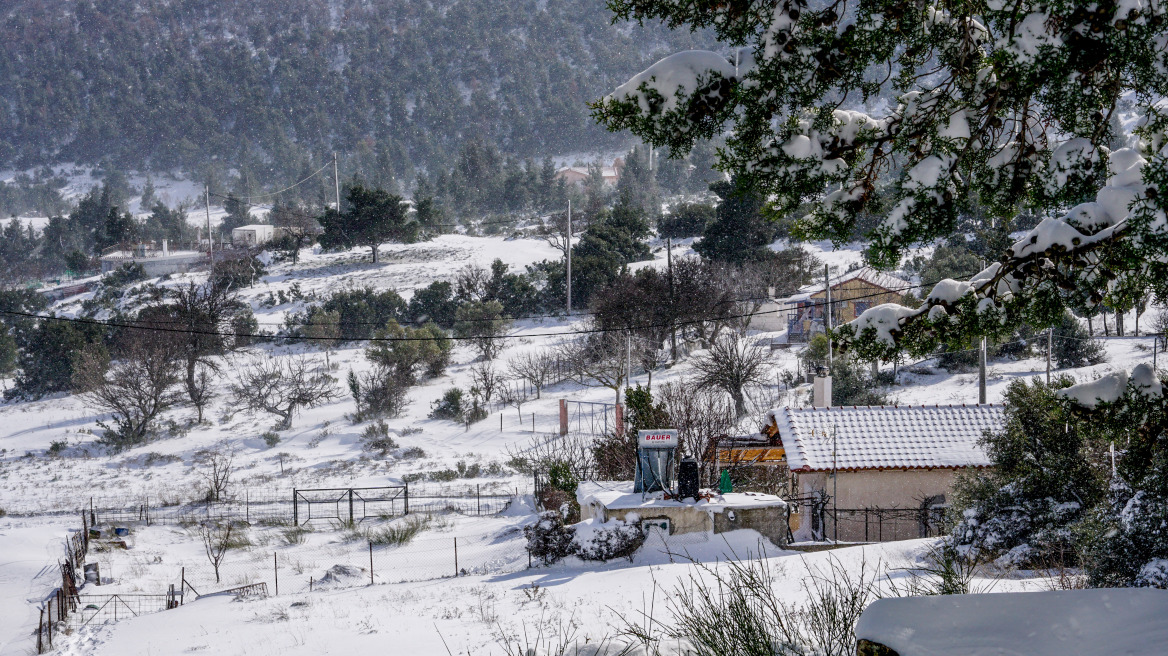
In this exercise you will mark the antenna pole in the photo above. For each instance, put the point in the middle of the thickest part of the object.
(673, 310)
(568, 250)
(827, 314)
(210, 241)
(336, 183)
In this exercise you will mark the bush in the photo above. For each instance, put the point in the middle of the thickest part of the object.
(685, 220)
(376, 437)
(1072, 345)
(399, 533)
(549, 539)
(610, 540)
(449, 406)
(1022, 511)
(560, 476)
(126, 274)
(851, 384)
(377, 393)
(236, 273)
(271, 438)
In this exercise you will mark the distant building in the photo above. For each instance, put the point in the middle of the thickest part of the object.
(873, 472)
(578, 175)
(155, 260)
(851, 293)
(252, 235)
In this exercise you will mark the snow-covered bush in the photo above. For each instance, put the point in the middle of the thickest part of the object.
(550, 539)
(1041, 484)
(608, 540)
(1072, 345)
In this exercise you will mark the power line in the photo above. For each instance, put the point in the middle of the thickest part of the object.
(276, 193)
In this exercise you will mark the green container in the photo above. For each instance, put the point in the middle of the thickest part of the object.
(724, 484)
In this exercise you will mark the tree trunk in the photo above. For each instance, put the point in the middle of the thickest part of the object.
(193, 392)
(1119, 323)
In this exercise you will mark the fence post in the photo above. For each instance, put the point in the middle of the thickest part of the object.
(276, 573)
(456, 557)
(40, 633)
(500, 422)
(247, 506)
(350, 506)
(371, 562)
(183, 590)
(295, 509)
(533, 423)
(865, 525)
(478, 501)
(50, 614)
(563, 417)
(407, 498)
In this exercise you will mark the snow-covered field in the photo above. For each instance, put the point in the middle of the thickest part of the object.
(322, 449)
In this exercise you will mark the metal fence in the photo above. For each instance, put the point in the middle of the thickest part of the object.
(883, 524)
(104, 609)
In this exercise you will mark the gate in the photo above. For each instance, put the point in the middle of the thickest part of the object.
(351, 504)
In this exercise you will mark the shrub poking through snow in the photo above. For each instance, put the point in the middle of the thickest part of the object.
(376, 438)
(549, 539)
(607, 541)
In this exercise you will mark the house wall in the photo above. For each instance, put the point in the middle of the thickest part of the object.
(873, 489)
(844, 298)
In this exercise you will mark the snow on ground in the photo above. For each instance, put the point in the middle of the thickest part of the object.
(29, 552)
(322, 449)
(570, 603)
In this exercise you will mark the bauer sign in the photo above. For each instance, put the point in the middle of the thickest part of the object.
(663, 438)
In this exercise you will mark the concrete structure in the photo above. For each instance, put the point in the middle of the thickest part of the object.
(870, 460)
(801, 314)
(155, 262)
(719, 513)
(252, 235)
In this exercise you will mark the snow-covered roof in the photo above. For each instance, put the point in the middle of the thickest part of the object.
(868, 274)
(886, 437)
(257, 227)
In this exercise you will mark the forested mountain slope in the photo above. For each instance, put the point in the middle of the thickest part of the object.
(272, 86)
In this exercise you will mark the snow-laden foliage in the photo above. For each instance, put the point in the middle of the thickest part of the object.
(608, 540)
(1023, 510)
(550, 539)
(996, 107)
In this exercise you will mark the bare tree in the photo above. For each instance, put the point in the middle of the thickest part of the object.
(283, 387)
(135, 389)
(555, 231)
(215, 470)
(216, 541)
(324, 329)
(536, 368)
(598, 359)
(485, 382)
(512, 393)
(201, 392)
(730, 365)
(543, 451)
(203, 311)
(701, 416)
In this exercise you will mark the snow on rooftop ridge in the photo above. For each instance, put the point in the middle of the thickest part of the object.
(874, 276)
(886, 437)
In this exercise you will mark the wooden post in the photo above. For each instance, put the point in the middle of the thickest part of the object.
(563, 417)
(40, 633)
(456, 557)
(478, 501)
(350, 506)
(407, 499)
(295, 509)
(276, 573)
(371, 562)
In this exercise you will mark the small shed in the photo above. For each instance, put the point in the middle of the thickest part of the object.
(868, 473)
(252, 235)
(853, 292)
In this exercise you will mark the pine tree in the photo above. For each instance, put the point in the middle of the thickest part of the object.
(995, 107)
(738, 232)
(371, 216)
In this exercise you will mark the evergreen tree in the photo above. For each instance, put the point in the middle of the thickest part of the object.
(238, 215)
(738, 232)
(371, 217)
(1072, 346)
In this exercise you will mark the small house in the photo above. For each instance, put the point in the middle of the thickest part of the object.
(578, 175)
(867, 473)
(802, 314)
(252, 235)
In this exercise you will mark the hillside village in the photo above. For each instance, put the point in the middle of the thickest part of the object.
(439, 329)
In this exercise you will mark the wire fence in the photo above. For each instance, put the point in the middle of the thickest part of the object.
(287, 507)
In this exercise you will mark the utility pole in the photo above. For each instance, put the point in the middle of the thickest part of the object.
(629, 360)
(672, 300)
(210, 241)
(827, 314)
(568, 250)
(337, 183)
(1050, 341)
